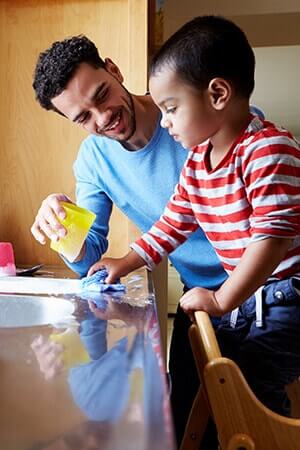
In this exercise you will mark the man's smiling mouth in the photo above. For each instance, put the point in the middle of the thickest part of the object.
(112, 125)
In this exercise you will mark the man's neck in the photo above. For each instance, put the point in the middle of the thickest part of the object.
(146, 116)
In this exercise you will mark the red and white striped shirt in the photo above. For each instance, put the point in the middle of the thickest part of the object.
(252, 194)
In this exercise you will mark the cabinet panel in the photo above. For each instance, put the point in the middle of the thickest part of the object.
(38, 147)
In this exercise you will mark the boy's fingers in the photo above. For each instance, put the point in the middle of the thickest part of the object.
(110, 279)
(191, 316)
(94, 268)
(91, 271)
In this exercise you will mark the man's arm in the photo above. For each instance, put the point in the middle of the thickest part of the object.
(96, 242)
(90, 194)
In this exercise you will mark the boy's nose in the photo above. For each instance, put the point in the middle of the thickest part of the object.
(165, 123)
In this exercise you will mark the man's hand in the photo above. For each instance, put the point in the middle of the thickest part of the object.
(46, 223)
(48, 355)
(200, 299)
(118, 267)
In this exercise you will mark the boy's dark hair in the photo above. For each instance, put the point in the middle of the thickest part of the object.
(56, 66)
(208, 47)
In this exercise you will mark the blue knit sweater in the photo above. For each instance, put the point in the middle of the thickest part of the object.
(140, 184)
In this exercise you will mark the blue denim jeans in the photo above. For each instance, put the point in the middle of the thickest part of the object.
(269, 356)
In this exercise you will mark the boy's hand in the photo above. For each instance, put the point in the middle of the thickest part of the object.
(118, 267)
(123, 311)
(200, 299)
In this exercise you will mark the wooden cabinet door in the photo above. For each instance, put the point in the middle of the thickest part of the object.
(38, 147)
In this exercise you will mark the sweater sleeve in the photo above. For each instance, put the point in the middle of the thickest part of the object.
(90, 194)
(272, 178)
(171, 230)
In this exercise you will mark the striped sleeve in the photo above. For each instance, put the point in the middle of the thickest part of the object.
(172, 229)
(272, 180)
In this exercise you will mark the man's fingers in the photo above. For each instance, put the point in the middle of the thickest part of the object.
(41, 229)
(37, 342)
(47, 222)
(49, 357)
(37, 233)
(53, 202)
(54, 370)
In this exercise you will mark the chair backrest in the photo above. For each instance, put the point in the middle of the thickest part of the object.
(242, 421)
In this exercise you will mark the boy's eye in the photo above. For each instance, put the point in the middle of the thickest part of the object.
(170, 109)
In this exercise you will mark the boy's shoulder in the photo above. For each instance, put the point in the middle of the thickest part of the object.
(265, 132)
(266, 139)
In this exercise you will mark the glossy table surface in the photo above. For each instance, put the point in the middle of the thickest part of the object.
(76, 376)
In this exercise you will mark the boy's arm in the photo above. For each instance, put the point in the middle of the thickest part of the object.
(163, 237)
(118, 267)
(258, 262)
(271, 175)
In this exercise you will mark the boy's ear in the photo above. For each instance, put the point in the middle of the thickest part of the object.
(113, 69)
(220, 92)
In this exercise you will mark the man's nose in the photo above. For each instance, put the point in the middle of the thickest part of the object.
(102, 118)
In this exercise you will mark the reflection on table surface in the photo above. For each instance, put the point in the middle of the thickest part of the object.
(93, 379)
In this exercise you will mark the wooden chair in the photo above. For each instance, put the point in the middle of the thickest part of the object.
(242, 421)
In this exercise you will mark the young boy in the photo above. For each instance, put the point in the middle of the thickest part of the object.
(240, 183)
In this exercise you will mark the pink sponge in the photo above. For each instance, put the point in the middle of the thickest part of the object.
(7, 260)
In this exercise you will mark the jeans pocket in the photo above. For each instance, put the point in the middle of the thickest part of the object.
(282, 292)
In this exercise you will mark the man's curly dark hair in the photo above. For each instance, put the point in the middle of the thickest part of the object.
(57, 65)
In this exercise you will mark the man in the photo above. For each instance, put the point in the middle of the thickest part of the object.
(123, 161)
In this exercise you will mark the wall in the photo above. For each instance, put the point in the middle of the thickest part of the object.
(266, 22)
(273, 30)
(38, 147)
(277, 89)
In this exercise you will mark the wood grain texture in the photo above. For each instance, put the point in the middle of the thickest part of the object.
(38, 147)
(242, 421)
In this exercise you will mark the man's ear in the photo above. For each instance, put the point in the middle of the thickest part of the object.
(220, 92)
(113, 69)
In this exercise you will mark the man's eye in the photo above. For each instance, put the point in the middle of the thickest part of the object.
(102, 96)
(170, 109)
(83, 118)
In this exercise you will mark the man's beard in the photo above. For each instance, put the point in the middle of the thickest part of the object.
(132, 119)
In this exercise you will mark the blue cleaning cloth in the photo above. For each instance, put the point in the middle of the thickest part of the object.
(101, 299)
(96, 283)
